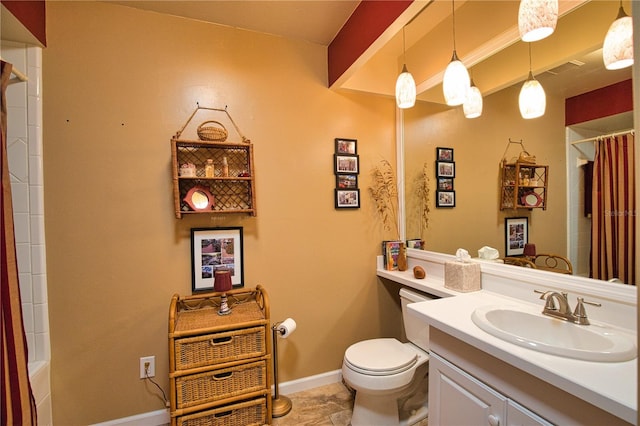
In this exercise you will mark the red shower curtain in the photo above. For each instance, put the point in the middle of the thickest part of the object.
(613, 232)
(17, 405)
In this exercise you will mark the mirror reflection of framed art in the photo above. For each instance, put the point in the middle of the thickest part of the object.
(516, 235)
(445, 169)
(445, 198)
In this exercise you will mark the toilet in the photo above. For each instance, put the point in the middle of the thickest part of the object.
(390, 378)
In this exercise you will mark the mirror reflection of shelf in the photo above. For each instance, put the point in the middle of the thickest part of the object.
(524, 185)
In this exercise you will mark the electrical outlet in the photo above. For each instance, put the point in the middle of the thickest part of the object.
(147, 367)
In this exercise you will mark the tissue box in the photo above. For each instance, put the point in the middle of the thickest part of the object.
(463, 277)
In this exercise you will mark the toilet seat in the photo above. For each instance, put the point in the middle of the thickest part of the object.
(380, 357)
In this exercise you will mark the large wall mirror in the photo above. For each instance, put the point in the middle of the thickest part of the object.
(567, 64)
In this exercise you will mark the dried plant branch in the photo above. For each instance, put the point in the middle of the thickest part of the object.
(421, 190)
(384, 193)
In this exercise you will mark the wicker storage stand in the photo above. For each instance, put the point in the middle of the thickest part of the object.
(220, 369)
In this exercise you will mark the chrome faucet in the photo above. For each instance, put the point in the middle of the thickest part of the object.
(563, 310)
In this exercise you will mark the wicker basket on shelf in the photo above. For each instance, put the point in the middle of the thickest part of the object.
(212, 131)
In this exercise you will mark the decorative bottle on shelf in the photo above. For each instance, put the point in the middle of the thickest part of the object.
(209, 169)
(225, 167)
(402, 258)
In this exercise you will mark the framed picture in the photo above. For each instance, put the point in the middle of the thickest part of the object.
(215, 248)
(445, 198)
(445, 169)
(347, 198)
(445, 184)
(415, 243)
(346, 146)
(516, 235)
(347, 181)
(444, 154)
(346, 164)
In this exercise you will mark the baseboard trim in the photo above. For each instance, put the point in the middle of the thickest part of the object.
(152, 418)
(310, 382)
(162, 417)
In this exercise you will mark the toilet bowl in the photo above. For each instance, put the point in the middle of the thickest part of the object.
(390, 377)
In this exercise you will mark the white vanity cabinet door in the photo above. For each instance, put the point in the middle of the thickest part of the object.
(517, 415)
(456, 398)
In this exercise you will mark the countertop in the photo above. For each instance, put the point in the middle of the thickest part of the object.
(610, 386)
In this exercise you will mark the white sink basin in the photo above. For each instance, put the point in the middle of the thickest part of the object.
(555, 336)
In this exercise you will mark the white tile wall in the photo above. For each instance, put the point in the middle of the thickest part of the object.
(24, 146)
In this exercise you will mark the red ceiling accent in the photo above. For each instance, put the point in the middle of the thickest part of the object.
(367, 22)
(32, 15)
(603, 102)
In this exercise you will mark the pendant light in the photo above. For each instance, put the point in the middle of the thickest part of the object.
(455, 83)
(537, 19)
(533, 100)
(405, 84)
(472, 106)
(617, 51)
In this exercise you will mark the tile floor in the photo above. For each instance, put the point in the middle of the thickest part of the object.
(328, 405)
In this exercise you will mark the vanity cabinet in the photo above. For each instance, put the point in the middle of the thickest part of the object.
(231, 187)
(457, 398)
(470, 386)
(220, 365)
(524, 186)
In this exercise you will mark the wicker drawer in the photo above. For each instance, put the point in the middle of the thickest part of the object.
(220, 384)
(248, 413)
(217, 348)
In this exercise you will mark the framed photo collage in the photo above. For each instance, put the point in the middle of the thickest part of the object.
(445, 174)
(346, 167)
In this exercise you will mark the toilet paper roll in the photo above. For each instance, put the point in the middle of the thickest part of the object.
(287, 327)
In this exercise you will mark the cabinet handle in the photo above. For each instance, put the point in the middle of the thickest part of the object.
(223, 414)
(494, 420)
(221, 341)
(222, 376)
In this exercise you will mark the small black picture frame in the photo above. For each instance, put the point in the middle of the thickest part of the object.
(444, 154)
(347, 198)
(445, 184)
(213, 248)
(346, 146)
(346, 164)
(346, 181)
(445, 169)
(446, 199)
(516, 235)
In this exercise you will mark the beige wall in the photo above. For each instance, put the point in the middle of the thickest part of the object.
(117, 84)
(479, 145)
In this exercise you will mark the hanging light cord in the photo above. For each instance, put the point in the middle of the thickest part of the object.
(621, 12)
(530, 77)
(453, 16)
(404, 51)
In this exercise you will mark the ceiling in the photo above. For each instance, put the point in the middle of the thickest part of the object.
(310, 20)
(567, 63)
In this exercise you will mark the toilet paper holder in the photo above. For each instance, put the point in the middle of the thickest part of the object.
(281, 404)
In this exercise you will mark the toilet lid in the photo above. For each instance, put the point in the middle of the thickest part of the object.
(380, 357)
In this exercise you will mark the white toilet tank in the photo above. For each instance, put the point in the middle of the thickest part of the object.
(417, 331)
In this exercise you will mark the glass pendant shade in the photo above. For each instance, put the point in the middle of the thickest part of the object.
(472, 106)
(617, 51)
(456, 82)
(537, 19)
(533, 100)
(405, 89)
